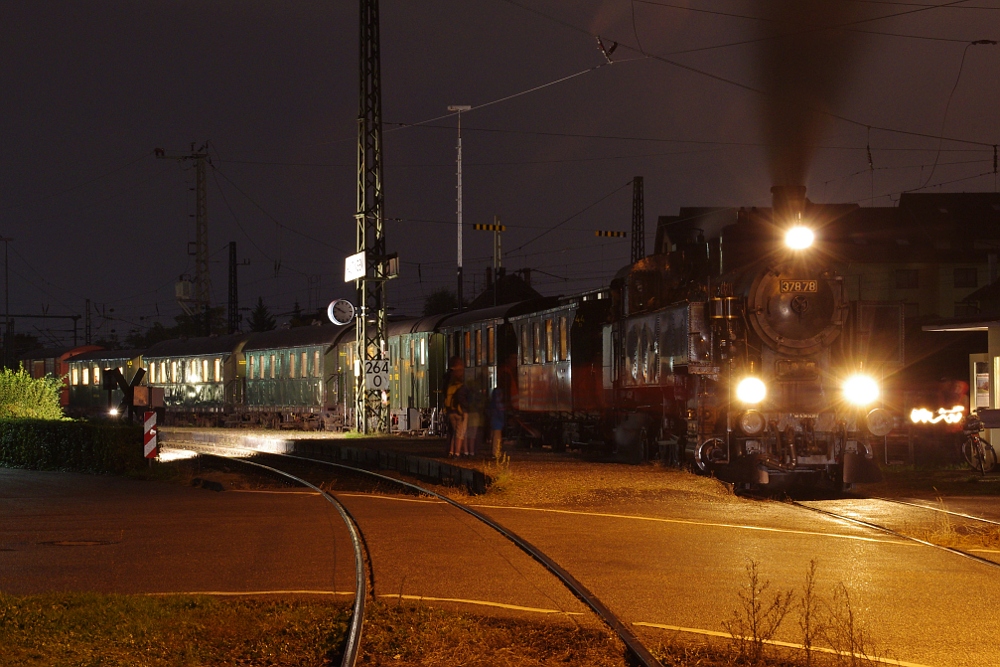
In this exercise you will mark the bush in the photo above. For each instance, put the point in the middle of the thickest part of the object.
(22, 396)
(40, 444)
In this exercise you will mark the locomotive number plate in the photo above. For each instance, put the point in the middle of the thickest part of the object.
(799, 286)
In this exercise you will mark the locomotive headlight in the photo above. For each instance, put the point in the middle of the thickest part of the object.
(860, 390)
(752, 422)
(799, 238)
(751, 390)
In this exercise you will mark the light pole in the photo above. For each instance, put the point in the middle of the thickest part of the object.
(459, 108)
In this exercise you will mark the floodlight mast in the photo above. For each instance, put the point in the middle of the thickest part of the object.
(370, 411)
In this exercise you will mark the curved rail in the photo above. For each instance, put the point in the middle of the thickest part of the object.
(640, 652)
(890, 531)
(353, 641)
(939, 509)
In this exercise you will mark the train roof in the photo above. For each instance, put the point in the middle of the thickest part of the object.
(326, 335)
(97, 355)
(189, 347)
(61, 353)
(498, 312)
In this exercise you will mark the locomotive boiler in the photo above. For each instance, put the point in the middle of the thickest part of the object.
(744, 355)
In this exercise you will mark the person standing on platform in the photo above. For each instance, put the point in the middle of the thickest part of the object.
(456, 406)
(498, 416)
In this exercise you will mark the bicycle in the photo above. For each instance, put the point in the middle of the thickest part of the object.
(978, 453)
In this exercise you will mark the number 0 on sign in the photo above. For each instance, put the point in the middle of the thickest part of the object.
(377, 375)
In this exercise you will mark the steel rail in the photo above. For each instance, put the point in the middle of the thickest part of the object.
(902, 536)
(939, 509)
(640, 652)
(353, 640)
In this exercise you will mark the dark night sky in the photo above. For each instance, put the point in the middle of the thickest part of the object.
(88, 89)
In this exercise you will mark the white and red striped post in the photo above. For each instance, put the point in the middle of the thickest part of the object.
(149, 449)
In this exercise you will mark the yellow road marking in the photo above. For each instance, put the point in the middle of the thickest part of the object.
(417, 598)
(240, 593)
(774, 642)
(482, 603)
(279, 493)
(701, 523)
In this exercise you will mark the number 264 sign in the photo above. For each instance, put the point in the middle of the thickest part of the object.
(377, 375)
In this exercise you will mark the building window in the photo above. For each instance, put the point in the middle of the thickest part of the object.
(549, 340)
(491, 352)
(966, 278)
(907, 278)
(965, 309)
(563, 339)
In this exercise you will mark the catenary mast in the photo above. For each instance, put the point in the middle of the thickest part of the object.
(371, 318)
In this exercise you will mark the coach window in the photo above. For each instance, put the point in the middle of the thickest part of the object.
(250, 366)
(316, 366)
(563, 339)
(152, 371)
(96, 377)
(173, 371)
(468, 348)
(86, 375)
(525, 353)
(479, 347)
(536, 330)
(548, 340)
(491, 352)
(204, 370)
(291, 365)
(274, 365)
(74, 376)
(218, 369)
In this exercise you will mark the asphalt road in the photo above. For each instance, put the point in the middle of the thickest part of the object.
(661, 563)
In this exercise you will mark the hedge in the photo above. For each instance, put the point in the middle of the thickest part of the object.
(39, 444)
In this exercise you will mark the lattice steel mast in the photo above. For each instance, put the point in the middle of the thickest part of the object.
(371, 319)
(638, 221)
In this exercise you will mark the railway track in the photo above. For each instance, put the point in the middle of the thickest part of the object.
(901, 534)
(639, 653)
(353, 640)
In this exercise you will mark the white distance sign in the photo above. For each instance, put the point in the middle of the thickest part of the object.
(354, 267)
(377, 375)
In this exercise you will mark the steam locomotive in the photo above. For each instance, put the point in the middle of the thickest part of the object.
(744, 355)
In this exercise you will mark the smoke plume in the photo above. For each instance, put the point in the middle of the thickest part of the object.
(804, 64)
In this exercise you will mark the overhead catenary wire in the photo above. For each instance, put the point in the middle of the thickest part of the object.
(754, 89)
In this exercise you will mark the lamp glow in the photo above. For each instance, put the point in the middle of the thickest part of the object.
(113, 412)
(860, 390)
(799, 238)
(751, 390)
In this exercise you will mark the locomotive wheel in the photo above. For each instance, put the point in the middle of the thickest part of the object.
(706, 454)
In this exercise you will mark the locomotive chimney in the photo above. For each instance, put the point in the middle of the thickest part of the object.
(788, 203)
